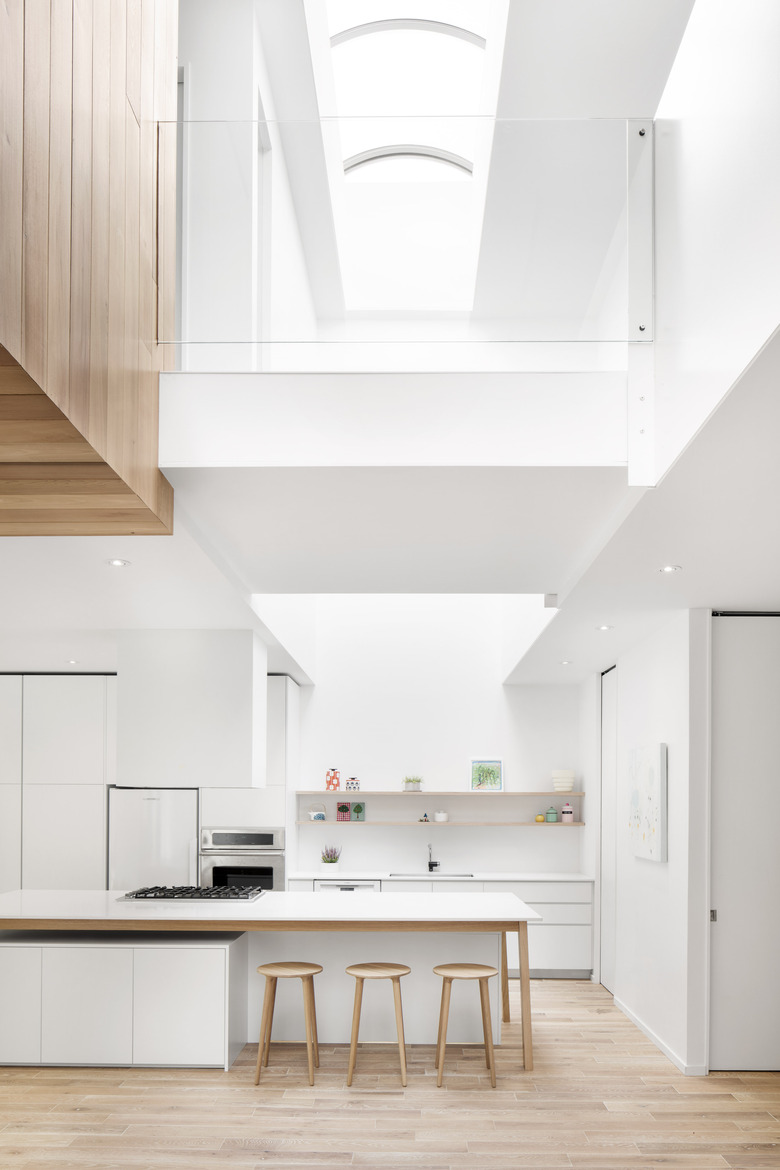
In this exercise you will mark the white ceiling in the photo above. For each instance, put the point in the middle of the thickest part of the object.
(405, 530)
(716, 514)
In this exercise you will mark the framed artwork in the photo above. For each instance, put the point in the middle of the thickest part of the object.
(486, 776)
(647, 802)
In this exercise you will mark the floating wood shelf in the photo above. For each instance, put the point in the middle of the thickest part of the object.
(455, 824)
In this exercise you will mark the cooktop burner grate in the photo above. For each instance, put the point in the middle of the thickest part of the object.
(197, 893)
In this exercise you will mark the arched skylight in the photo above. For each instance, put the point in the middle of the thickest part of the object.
(410, 24)
(411, 88)
(409, 150)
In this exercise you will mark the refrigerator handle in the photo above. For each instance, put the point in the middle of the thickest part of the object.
(193, 861)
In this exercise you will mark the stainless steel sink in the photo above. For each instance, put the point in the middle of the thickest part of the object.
(434, 873)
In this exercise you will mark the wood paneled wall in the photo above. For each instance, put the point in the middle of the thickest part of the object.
(87, 254)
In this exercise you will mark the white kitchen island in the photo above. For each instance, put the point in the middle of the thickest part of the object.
(419, 929)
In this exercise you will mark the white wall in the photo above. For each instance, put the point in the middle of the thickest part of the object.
(410, 684)
(660, 904)
(716, 222)
(191, 708)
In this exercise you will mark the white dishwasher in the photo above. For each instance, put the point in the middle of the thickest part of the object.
(334, 886)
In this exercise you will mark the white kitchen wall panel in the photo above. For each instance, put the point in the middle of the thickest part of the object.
(63, 837)
(283, 731)
(64, 719)
(20, 1005)
(10, 729)
(86, 1005)
(10, 837)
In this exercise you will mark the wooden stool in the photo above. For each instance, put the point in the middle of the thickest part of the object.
(305, 972)
(363, 971)
(448, 972)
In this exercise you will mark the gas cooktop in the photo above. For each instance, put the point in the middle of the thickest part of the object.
(197, 893)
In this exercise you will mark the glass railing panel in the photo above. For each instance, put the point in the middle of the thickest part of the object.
(381, 244)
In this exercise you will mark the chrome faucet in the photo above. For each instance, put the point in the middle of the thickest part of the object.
(432, 865)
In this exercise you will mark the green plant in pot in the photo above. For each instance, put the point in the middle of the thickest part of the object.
(330, 855)
(412, 783)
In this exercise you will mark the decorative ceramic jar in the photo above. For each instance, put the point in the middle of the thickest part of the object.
(332, 779)
(551, 815)
(567, 814)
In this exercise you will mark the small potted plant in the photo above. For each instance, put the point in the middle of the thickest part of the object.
(412, 783)
(330, 857)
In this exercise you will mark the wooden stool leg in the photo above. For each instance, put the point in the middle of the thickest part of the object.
(355, 1028)
(504, 978)
(441, 1018)
(445, 1013)
(315, 1038)
(267, 1054)
(487, 1029)
(267, 1009)
(399, 1025)
(308, 1025)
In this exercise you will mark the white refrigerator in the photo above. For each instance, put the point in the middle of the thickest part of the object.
(152, 837)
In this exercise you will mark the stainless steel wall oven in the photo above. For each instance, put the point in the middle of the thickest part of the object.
(242, 857)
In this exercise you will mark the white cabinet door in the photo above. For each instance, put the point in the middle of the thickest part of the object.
(10, 837)
(300, 885)
(87, 1005)
(20, 1005)
(10, 729)
(64, 720)
(63, 837)
(179, 1006)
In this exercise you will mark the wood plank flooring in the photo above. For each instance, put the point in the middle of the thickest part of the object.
(600, 1097)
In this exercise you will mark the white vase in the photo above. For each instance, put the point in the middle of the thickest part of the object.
(331, 867)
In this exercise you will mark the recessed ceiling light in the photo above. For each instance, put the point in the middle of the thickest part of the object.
(117, 563)
(670, 569)
(605, 628)
(565, 662)
(73, 662)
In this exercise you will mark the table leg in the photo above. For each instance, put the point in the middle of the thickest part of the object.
(525, 996)
(504, 979)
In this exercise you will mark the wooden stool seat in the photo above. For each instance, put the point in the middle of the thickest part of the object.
(394, 972)
(289, 970)
(482, 973)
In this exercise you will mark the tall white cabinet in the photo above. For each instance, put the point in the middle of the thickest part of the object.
(10, 781)
(55, 761)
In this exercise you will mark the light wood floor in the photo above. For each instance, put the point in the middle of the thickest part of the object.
(600, 1096)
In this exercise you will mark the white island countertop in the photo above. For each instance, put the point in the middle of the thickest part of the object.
(105, 910)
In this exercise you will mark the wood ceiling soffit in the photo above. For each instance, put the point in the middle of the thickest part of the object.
(52, 482)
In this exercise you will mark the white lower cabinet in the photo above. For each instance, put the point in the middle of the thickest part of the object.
(87, 1005)
(175, 993)
(562, 943)
(20, 1005)
(123, 1001)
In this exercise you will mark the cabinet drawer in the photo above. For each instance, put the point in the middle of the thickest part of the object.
(560, 948)
(562, 913)
(402, 887)
(544, 891)
(467, 886)
(300, 885)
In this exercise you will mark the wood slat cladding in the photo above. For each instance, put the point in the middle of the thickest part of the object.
(52, 481)
(88, 269)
